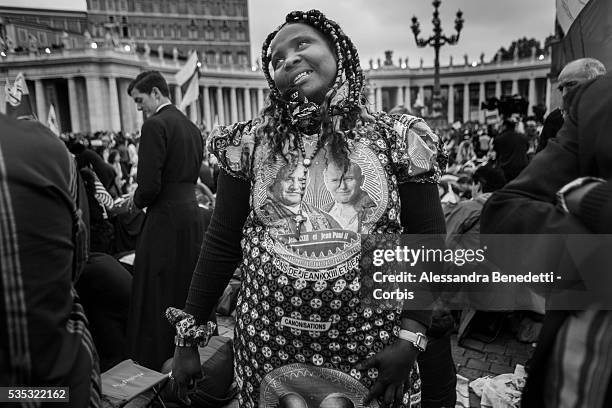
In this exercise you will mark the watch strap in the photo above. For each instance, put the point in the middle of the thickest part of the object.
(419, 340)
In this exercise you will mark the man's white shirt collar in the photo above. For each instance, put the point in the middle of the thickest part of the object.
(161, 106)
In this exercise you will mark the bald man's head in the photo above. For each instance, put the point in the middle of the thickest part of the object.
(577, 72)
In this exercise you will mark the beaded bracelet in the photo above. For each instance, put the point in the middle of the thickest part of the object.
(188, 334)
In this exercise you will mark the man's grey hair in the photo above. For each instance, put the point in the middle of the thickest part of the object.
(582, 69)
(594, 68)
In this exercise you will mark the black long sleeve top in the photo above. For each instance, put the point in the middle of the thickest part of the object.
(421, 213)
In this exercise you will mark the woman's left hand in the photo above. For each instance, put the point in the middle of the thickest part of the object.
(394, 364)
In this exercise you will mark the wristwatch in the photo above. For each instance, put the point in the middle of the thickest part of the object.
(571, 186)
(418, 339)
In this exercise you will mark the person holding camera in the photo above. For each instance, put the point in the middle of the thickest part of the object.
(511, 149)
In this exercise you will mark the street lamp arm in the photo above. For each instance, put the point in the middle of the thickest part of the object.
(452, 40)
(420, 42)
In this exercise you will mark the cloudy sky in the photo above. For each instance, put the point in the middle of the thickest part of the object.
(379, 25)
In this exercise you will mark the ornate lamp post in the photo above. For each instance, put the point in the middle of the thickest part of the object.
(437, 40)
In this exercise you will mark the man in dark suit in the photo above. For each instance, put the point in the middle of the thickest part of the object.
(567, 189)
(170, 156)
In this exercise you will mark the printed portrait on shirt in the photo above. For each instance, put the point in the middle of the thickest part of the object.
(315, 214)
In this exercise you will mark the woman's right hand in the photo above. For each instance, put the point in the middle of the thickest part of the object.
(186, 369)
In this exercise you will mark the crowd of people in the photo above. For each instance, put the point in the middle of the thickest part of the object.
(284, 198)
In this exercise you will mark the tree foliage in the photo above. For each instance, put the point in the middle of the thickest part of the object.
(525, 48)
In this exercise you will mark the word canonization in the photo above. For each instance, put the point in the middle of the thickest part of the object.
(412, 256)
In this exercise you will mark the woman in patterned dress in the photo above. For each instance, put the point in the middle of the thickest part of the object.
(299, 314)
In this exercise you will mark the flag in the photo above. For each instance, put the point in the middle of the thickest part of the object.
(588, 34)
(190, 93)
(187, 78)
(185, 73)
(567, 11)
(18, 103)
(52, 121)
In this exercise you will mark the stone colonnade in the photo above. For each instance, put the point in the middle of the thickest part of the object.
(95, 103)
(221, 104)
(401, 95)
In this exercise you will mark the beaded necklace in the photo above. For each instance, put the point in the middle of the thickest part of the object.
(300, 218)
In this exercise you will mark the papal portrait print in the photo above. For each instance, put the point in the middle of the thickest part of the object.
(315, 214)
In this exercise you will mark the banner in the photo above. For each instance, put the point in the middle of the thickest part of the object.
(52, 121)
(588, 36)
(18, 103)
(567, 11)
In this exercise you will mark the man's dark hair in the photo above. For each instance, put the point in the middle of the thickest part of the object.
(509, 124)
(490, 178)
(146, 81)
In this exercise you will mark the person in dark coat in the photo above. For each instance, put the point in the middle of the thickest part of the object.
(567, 189)
(511, 149)
(170, 157)
(44, 335)
(573, 74)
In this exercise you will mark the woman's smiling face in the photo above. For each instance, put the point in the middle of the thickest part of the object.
(301, 57)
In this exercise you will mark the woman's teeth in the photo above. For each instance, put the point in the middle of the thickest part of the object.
(301, 76)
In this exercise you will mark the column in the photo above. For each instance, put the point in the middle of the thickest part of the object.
(248, 114)
(206, 99)
(514, 87)
(2, 99)
(193, 112)
(466, 102)
(178, 95)
(481, 99)
(379, 101)
(233, 105)
(420, 100)
(399, 98)
(548, 95)
(97, 121)
(372, 98)
(127, 107)
(115, 115)
(220, 110)
(73, 104)
(40, 102)
(498, 89)
(532, 96)
(260, 99)
(406, 93)
(451, 104)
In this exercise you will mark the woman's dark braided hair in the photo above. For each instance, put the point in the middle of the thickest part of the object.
(277, 122)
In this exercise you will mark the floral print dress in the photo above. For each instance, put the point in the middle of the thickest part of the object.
(300, 321)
